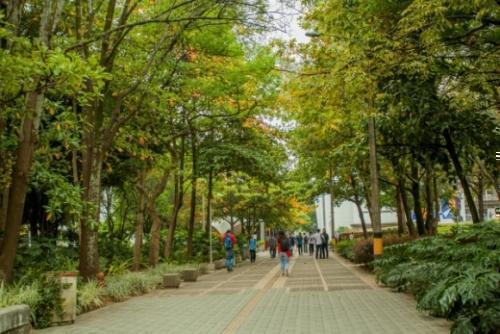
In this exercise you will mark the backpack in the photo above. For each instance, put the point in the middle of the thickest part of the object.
(228, 243)
(284, 244)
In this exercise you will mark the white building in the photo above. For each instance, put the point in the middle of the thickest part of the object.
(346, 215)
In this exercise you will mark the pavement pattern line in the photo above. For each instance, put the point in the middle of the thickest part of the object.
(240, 318)
(325, 286)
(280, 282)
(369, 282)
(212, 289)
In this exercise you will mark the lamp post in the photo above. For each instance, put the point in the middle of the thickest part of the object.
(333, 179)
(324, 209)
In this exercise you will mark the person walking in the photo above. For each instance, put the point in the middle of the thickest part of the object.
(272, 246)
(229, 240)
(312, 241)
(325, 238)
(318, 242)
(252, 246)
(291, 241)
(299, 243)
(305, 245)
(284, 252)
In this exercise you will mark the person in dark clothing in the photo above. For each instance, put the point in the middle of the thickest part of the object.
(272, 246)
(311, 242)
(299, 243)
(291, 241)
(305, 244)
(324, 249)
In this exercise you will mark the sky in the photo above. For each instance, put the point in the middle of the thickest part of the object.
(287, 16)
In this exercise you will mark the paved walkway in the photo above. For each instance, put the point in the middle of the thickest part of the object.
(319, 296)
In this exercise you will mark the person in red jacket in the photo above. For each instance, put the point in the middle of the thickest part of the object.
(228, 241)
(284, 252)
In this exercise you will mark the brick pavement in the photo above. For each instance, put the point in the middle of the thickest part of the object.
(320, 296)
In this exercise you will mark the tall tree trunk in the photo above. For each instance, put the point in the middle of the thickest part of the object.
(169, 242)
(192, 213)
(480, 194)
(154, 247)
(415, 191)
(178, 200)
(399, 212)
(461, 176)
(437, 209)
(368, 199)
(139, 223)
(209, 200)
(4, 205)
(357, 201)
(89, 242)
(406, 206)
(27, 141)
(429, 218)
(19, 182)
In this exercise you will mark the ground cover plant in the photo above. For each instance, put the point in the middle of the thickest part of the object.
(454, 276)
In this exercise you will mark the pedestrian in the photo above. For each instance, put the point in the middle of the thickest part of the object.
(284, 252)
(299, 243)
(318, 242)
(252, 246)
(311, 243)
(306, 243)
(272, 246)
(325, 238)
(291, 241)
(229, 240)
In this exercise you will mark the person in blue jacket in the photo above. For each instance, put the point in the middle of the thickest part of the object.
(252, 245)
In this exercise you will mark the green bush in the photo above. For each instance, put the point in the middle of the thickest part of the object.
(345, 248)
(454, 277)
(363, 248)
(42, 296)
(90, 296)
(43, 255)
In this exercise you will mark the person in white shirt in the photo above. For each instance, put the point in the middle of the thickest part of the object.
(312, 241)
(318, 241)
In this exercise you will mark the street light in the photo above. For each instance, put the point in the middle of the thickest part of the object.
(312, 34)
(376, 223)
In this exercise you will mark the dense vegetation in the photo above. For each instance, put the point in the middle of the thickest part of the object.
(128, 127)
(454, 276)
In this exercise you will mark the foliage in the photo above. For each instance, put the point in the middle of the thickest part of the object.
(121, 287)
(455, 277)
(90, 296)
(43, 297)
(345, 248)
(43, 255)
(18, 293)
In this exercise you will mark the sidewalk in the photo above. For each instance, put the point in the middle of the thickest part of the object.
(319, 296)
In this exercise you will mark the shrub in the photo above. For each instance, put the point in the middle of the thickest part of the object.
(42, 296)
(121, 287)
(344, 248)
(454, 277)
(20, 294)
(363, 248)
(41, 256)
(90, 296)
